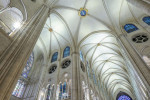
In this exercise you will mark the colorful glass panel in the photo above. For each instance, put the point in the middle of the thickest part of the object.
(124, 97)
(64, 87)
(94, 78)
(66, 52)
(81, 56)
(54, 57)
(130, 28)
(147, 20)
(19, 89)
(28, 66)
(49, 93)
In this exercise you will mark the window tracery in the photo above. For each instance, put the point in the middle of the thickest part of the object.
(82, 67)
(52, 69)
(66, 64)
(140, 38)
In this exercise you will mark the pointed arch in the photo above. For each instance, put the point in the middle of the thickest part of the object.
(130, 28)
(54, 57)
(146, 20)
(66, 52)
(123, 96)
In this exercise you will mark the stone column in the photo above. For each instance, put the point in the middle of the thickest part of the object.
(14, 58)
(142, 71)
(145, 6)
(75, 64)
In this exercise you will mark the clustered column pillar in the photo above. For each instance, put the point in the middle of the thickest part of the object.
(75, 64)
(14, 58)
(143, 5)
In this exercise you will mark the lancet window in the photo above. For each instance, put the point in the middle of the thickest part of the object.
(66, 52)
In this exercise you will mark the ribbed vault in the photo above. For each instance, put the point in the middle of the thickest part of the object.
(107, 62)
(94, 35)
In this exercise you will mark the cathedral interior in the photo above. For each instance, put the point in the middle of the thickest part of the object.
(74, 50)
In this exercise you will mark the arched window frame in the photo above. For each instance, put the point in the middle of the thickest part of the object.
(129, 28)
(20, 86)
(123, 96)
(66, 52)
(54, 57)
(28, 66)
(81, 56)
(50, 91)
(146, 20)
(19, 89)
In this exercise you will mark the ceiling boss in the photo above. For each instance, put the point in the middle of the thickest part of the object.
(83, 12)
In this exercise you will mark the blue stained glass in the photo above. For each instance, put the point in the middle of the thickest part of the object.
(83, 13)
(54, 57)
(130, 28)
(147, 20)
(94, 77)
(124, 97)
(61, 90)
(19, 89)
(66, 52)
(48, 93)
(81, 56)
(64, 87)
(28, 66)
(88, 70)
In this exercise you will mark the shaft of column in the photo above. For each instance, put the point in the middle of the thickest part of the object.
(145, 6)
(138, 64)
(75, 64)
(13, 60)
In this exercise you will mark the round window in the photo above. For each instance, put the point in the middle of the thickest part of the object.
(52, 69)
(66, 64)
(140, 39)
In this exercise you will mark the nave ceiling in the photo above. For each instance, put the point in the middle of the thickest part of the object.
(94, 34)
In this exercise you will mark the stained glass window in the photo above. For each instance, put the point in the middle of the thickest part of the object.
(94, 77)
(88, 69)
(130, 28)
(20, 86)
(19, 89)
(28, 66)
(50, 92)
(81, 56)
(54, 57)
(64, 87)
(66, 52)
(123, 96)
(64, 91)
(61, 91)
(147, 20)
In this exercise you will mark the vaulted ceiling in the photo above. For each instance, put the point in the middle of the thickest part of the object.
(94, 34)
